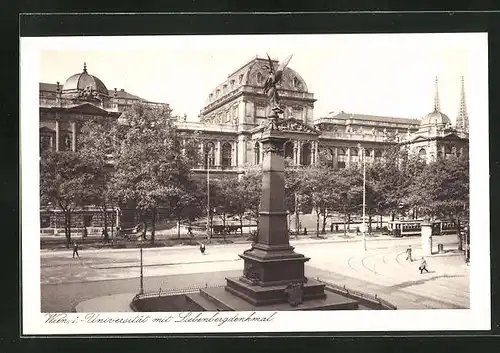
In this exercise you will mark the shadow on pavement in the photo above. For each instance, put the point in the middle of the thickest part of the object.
(420, 281)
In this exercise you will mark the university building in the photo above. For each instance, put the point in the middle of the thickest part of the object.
(233, 117)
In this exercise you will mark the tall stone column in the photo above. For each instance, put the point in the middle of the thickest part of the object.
(73, 136)
(336, 157)
(272, 264)
(348, 161)
(58, 136)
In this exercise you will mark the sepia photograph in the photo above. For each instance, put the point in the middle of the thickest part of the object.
(239, 183)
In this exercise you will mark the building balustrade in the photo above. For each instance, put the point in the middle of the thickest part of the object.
(68, 103)
(193, 125)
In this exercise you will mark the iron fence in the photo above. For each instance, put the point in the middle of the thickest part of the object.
(173, 291)
(375, 299)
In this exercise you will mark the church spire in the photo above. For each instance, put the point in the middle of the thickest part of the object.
(436, 97)
(463, 117)
(84, 66)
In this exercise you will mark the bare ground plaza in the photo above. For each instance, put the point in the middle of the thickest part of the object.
(107, 280)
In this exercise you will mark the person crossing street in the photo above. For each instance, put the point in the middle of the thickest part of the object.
(423, 266)
(75, 249)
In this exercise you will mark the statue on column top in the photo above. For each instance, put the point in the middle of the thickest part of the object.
(273, 80)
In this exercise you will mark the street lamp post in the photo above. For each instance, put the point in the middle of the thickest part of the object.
(141, 291)
(364, 194)
(209, 156)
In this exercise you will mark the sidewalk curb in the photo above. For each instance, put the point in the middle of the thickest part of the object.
(44, 252)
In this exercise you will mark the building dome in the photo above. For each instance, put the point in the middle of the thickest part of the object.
(82, 81)
(435, 118)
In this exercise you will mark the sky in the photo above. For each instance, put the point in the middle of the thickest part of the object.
(380, 74)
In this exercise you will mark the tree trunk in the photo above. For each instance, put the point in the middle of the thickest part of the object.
(224, 227)
(345, 220)
(241, 225)
(67, 227)
(459, 235)
(323, 230)
(349, 222)
(153, 224)
(105, 216)
(317, 222)
(178, 227)
(369, 224)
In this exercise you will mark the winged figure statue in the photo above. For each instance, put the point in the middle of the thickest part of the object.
(274, 79)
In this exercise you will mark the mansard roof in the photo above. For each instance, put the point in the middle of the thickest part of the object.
(375, 118)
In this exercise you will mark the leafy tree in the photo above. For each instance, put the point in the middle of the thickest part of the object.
(96, 145)
(66, 180)
(186, 204)
(293, 199)
(250, 186)
(153, 160)
(319, 184)
(350, 191)
(442, 191)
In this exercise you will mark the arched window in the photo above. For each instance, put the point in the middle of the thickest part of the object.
(257, 153)
(341, 158)
(355, 156)
(288, 149)
(305, 154)
(209, 158)
(226, 155)
(378, 155)
(422, 152)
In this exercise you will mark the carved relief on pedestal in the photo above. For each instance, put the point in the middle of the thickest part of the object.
(295, 293)
(251, 273)
(272, 149)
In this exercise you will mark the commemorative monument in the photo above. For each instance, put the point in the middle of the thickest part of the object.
(273, 276)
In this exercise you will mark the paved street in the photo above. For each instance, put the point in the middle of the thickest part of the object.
(381, 270)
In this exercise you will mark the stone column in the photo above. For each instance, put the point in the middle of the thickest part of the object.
(336, 157)
(58, 136)
(73, 136)
(234, 153)
(261, 151)
(426, 237)
(299, 152)
(202, 153)
(316, 153)
(217, 153)
(348, 158)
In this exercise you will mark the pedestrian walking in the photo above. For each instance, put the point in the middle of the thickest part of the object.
(75, 249)
(331, 228)
(202, 248)
(408, 254)
(190, 231)
(305, 231)
(423, 266)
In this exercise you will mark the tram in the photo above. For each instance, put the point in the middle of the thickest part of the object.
(402, 228)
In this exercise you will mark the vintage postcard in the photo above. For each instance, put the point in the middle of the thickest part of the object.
(255, 183)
